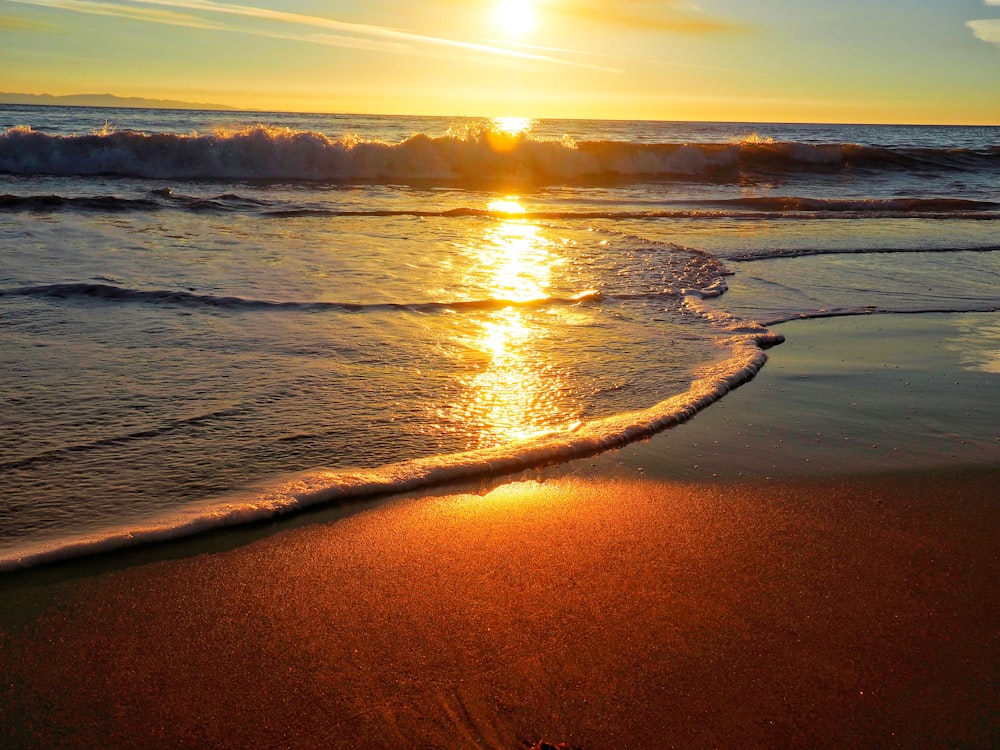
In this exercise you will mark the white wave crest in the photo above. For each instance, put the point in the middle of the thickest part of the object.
(474, 155)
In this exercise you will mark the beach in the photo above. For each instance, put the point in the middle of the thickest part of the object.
(217, 319)
(520, 375)
(699, 589)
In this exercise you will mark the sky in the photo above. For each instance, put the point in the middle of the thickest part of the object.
(868, 61)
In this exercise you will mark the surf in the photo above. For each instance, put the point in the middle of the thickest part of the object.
(469, 157)
(745, 344)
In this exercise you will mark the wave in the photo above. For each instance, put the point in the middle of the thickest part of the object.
(112, 293)
(55, 454)
(106, 203)
(155, 200)
(478, 155)
(746, 208)
(738, 208)
(797, 204)
(746, 344)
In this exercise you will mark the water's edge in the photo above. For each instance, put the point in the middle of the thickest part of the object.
(745, 343)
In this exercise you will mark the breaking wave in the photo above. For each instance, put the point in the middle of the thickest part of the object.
(478, 155)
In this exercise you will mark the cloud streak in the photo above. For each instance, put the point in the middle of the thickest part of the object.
(17, 24)
(345, 34)
(96, 8)
(622, 58)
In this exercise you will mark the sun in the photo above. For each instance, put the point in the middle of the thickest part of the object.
(515, 17)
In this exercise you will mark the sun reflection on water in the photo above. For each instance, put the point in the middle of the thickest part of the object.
(506, 206)
(517, 391)
(516, 262)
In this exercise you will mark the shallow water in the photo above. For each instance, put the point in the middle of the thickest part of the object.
(196, 307)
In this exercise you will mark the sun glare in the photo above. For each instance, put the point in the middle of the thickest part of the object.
(511, 125)
(505, 133)
(515, 17)
(505, 206)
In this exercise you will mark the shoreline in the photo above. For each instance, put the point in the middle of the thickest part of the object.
(848, 395)
(763, 590)
(663, 447)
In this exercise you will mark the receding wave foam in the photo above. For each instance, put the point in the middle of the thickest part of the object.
(479, 155)
(112, 293)
(745, 343)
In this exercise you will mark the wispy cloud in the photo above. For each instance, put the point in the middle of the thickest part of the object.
(94, 7)
(345, 34)
(621, 58)
(677, 16)
(19, 24)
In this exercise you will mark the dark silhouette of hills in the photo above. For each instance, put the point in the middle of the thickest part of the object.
(106, 100)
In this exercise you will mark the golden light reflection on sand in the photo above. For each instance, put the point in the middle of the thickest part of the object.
(516, 393)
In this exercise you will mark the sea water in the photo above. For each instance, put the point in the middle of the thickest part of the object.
(208, 318)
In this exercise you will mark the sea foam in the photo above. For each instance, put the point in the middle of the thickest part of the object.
(745, 343)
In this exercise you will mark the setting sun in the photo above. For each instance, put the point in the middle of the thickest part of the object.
(515, 17)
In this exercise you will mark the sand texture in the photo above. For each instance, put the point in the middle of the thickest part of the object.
(601, 607)
(601, 614)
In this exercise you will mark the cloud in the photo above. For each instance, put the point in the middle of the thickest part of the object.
(93, 7)
(623, 58)
(987, 30)
(351, 35)
(19, 24)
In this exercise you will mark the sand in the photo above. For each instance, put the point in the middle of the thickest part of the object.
(679, 593)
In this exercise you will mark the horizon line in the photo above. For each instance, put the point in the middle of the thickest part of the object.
(168, 104)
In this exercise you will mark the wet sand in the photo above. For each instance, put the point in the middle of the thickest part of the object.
(679, 593)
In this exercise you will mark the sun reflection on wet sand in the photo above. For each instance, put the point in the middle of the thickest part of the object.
(517, 392)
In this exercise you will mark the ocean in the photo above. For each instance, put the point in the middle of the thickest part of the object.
(212, 318)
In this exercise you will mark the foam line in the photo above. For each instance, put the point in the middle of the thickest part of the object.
(746, 346)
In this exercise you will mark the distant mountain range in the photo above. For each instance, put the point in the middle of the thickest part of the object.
(105, 100)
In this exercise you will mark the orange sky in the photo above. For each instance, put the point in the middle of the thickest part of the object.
(771, 60)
